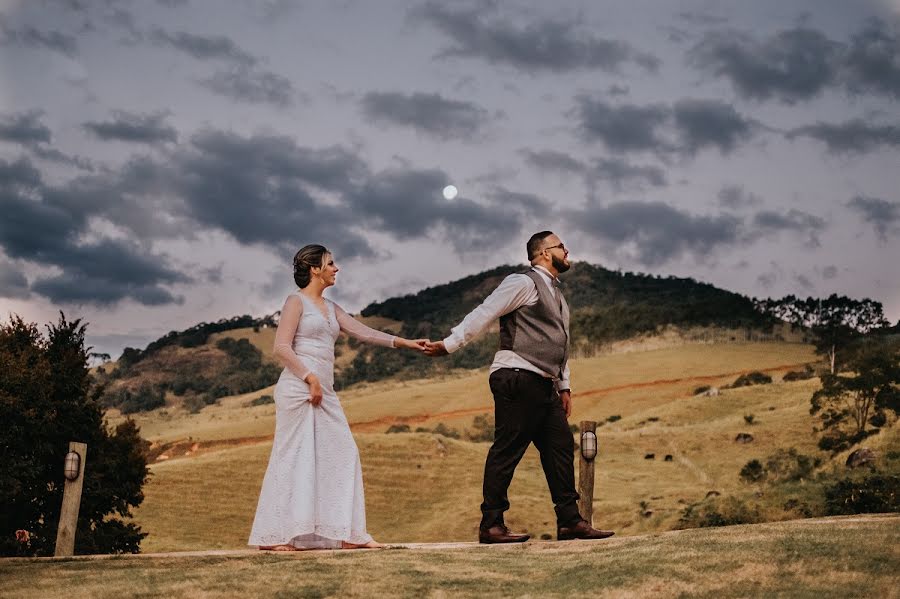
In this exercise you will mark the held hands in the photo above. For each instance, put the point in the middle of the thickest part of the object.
(435, 349)
(416, 344)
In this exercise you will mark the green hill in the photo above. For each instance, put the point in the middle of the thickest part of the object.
(605, 306)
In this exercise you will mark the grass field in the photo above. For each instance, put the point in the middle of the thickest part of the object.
(425, 487)
(820, 559)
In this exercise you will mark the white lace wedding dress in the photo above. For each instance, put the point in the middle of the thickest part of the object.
(312, 494)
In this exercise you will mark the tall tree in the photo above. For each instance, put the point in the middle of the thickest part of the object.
(46, 400)
(835, 321)
(851, 406)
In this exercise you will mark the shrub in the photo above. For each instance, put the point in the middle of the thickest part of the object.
(799, 375)
(482, 428)
(146, 398)
(398, 428)
(749, 418)
(873, 494)
(614, 418)
(262, 400)
(719, 513)
(446, 431)
(702, 389)
(790, 465)
(753, 472)
(751, 378)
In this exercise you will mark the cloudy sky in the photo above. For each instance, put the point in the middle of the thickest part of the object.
(160, 162)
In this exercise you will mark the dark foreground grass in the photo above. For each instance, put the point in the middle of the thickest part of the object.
(839, 557)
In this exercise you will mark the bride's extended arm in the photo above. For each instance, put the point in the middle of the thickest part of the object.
(284, 337)
(361, 332)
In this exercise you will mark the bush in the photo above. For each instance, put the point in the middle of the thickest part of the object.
(729, 512)
(874, 494)
(146, 398)
(751, 378)
(262, 400)
(446, 431)
(614, 418)
(702, 389)
(749, 418)
(790, 465)
(482, 428)
(753, 472)
(799, 375)
(398, 428)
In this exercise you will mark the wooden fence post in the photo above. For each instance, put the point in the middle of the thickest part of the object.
(68, 515)
(586, 472)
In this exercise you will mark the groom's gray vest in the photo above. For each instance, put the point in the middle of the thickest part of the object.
(539, 333)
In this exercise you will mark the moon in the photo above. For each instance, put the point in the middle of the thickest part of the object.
(450, 192)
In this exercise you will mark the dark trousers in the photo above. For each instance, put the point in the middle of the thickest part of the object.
(527, 410)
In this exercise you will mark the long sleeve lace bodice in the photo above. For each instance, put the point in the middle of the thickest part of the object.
(361, 332)
(291, 314)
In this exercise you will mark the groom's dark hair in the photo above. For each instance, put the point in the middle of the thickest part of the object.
(534, 244)
(309, 256)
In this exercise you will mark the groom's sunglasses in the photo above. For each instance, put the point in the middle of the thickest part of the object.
(561, 246)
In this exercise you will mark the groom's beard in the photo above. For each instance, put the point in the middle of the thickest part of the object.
(559, 264)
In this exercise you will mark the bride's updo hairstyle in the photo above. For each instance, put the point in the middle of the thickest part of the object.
(309, 257)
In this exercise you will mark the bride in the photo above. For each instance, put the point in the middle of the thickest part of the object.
(312, 493)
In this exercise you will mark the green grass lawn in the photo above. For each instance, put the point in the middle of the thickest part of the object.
(854, 556)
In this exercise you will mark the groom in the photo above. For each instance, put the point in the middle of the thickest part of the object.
(530, 382)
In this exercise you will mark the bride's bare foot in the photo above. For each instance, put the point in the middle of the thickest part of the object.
(280, 548)
(369, 545)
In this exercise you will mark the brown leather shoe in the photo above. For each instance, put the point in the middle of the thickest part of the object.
(582, 530)
(500, 534)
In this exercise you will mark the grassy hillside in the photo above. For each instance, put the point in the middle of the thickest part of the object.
(606, 307)
(838, 557)
(426, 487)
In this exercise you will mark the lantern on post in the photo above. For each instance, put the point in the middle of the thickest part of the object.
(72, 466)
(589, 445)
(586, 469)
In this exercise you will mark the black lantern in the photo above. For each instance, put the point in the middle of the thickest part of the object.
(72, 465)
(588, 445)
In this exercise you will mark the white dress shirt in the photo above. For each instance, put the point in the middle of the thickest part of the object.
(514, 291)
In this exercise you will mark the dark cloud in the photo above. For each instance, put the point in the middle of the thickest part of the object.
(137, 128)
(769, 222)
(685, 128)
(107, 272)
(528, 205)
(407, 203)
(428, 113)
(804, 282)
(701, 19)
(31, 37)
(541, 45)
(799, 64)
(624, 127)
(792, 65)
(13, 283)
(735, 197)
(18, 175)
(53, 155)
(829, 272)
(553, 161)
(622, 175)
(704, 123)
(872, 62)
(24, 128)
(883, 215)
(658, 231)
(251, 86)
(851, 136)
(41, 226)
(205, 47)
